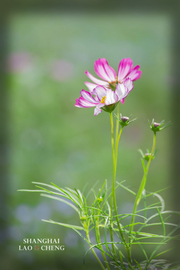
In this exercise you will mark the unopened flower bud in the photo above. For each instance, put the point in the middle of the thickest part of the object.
(158, 126)
(125, 119)
(100, 199)
(147, 156)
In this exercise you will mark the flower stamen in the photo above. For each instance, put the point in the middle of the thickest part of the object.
(103, 99)
(113, 82)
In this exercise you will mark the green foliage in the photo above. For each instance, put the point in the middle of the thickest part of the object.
(95, 220)
(99, 217)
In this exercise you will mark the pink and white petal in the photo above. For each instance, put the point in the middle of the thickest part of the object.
(129, 84)
(104, 71)
(100, 92)
(86, 95)
(135, 73)
(99, 69)
(111, 97)
(96, 98)
(121, 91)
(125, 67)
(110, 71)
(77, 103)
(90, 86)
(122, 100)
(82, 103)
(95, 80)
(97, 110)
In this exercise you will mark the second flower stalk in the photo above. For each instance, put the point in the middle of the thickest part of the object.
(120, 124)
(114, 144)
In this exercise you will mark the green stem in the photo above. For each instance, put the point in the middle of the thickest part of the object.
(117, 122)
(142, 186)
(113, 198)
(113, 155)
(117, 143)
(94, 253)
(98, 237)
(102, 251)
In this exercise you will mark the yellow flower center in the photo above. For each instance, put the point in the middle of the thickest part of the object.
(113, 82)
(103, 99)
(112, 85)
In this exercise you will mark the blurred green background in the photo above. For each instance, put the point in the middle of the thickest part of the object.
(53, 141)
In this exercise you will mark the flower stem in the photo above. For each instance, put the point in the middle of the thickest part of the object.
(142, 186)
(117, 143)
(94, 253)
(102, 252)
(98, 237)
(113, 198)
(117, 122)
(113, 156)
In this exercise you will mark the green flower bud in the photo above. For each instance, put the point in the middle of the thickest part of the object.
(147, 155)
(124, 120)
(154, 126)
(100, 199)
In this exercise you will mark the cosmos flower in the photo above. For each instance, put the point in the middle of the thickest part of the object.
(102, 98)
(110, 79)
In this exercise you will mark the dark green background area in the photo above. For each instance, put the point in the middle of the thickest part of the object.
(52, 141)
